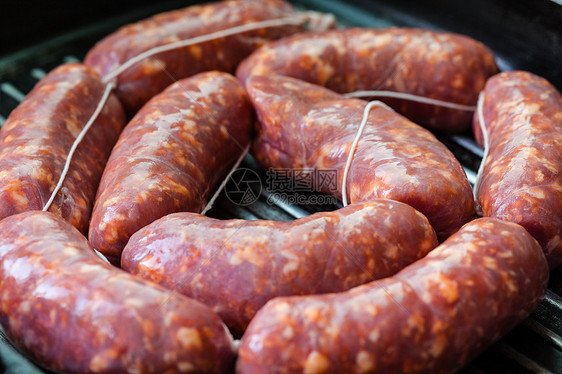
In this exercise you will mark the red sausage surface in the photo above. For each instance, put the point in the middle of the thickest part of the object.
(170, 157)
(37, 136)
(432, 64)
(147, 78)
(302, 125)
(521, 180)
(72, 312)
(432, 317)
(236, 266)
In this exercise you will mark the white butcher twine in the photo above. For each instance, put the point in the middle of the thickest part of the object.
(77, 141)
(217, 193)
(397, 95)
(484, 130)
(294, 20)
(354, 145)
(316, 19)
(411, 97)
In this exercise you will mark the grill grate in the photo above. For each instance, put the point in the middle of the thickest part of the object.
(533, 346)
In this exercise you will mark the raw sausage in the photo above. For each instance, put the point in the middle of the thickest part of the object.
(37, 137)
(302, 125)
(70, 311)
(143, 80)
(521, 178)
(236, 266)
(432, 317)
(432, 64)
(170, 157)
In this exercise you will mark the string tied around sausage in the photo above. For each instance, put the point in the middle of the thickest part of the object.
(225, 181)
(105, 96)
(366, 112)
(411, 97)
(405, 96)
(484, 130)
(316, 20)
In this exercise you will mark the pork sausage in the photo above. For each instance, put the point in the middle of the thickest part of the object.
(36, 139)
(170, 157)
(432, 317)
(302, 125)
(432, 64)
(145, 79)
(521, 178)
(72, 312)
(236, 266)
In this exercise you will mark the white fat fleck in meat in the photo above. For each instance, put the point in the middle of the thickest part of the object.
(208, 88)
(51, 292)
(256, 343)
(374, 335)
(316, 363)
(553, 243)
(290, 256)
(189, 338)
(288, 333)
(186, 367)
(365, 362)
(152, 66)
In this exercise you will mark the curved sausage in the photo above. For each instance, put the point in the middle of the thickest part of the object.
(170, 157)
(432, 64)
(432, 317)
(72, 312)
(236, 266)
(521, 179)
(302, 125)
(143, 80)
(37, 137)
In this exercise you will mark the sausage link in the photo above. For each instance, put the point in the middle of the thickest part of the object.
(432, 317)
(72, 312)
(521, 179)
(307, 126)
(438, 65)
(143, 80)
(37, 137)
(236, 266)
(170, 157)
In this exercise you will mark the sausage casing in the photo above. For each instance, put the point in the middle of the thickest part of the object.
(236, 266)
(72, 312)
(521, 179)
(432, 64)
(145, 79)
(170, 157)
(37, 136)
(302, 125)
(432, 317)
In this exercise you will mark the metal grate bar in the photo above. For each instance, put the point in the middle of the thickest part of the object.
(470, 175)
(469, 144)
(38, 73)
(544, 324)
(70, 59)
(554, 300)
(294, 211)
(10, 90)
(520, 358)
(544, 332)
